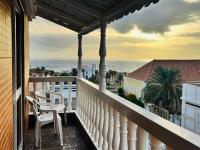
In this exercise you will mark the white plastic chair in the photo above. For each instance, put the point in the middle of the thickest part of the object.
(44, 117)
(45, 102)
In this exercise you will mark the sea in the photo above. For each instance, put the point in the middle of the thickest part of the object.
(66, 65)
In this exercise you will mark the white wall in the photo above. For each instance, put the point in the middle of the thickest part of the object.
(191, 107)
(133, 86)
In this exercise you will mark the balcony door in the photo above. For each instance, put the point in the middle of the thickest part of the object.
(18, 72)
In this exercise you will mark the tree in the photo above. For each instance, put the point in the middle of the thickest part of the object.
(74, 72)
(164, 89)
(107, 76)
(120, 78)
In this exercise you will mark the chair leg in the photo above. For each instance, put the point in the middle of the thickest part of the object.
(65, 116)
(59, 123)
(37, 134)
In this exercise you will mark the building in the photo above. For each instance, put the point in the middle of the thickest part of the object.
(190, 117)
(135, 81)
(89, 71)
(104, 119)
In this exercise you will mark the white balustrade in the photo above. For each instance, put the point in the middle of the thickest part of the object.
(110, 128)
(94, 116)
(116, 136)
(97, 120)
(123, 133)
(69, 104)
(155, 143)
(101, 119)
(132, 135)
(142, 139)
(105, 127)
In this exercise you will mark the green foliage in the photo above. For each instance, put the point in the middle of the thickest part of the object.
(74, 72)
(65, 74)
(130, 97)
(94, 79)
(120, 92)
(164, 89)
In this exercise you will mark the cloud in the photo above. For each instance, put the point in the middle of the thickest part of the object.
(194, 34)
(52, 42)
(159, 17)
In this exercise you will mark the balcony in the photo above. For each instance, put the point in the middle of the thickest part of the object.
(103, 120)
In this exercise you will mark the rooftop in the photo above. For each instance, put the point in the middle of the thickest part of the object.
(144, 73)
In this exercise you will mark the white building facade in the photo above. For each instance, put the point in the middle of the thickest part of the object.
(89, 71)
(133, 86)
(191, 107)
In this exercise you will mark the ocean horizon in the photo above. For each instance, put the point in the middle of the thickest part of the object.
(59, 65)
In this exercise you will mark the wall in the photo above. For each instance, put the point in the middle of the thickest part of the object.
(26, 73)
(6, 104)
(133, 86)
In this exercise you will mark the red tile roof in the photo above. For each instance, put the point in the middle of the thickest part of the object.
(190, 69)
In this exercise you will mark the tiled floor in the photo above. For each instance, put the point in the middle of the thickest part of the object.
(72, 140)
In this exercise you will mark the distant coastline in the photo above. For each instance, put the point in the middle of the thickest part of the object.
(66, 65)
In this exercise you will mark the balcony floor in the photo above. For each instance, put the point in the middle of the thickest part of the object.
(71, 138)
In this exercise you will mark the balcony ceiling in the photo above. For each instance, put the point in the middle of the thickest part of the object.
(83, 16)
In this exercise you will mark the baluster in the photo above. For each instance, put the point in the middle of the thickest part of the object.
(101, 119)
(34, 88)
(97, 120)
(77, 98)
(123, 133)
(116, 136)
(69, 106)
(88, 108)
(110, 128)
(43, 86)
(156, 144)
(84, 102)
(105, 127)
(91, 114)
(132, 135)
(143, 139)
(94, 116)
(53, 90)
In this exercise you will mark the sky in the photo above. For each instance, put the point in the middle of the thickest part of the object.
(169, 29)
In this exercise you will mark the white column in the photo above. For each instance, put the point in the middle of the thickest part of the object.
(102, 54)
(143, 139)
(123, 134)
(156, 144)
(116, 135)
(110, 128)
(132, 135)
(101, 119)
(80, 75)
(69, 106)
(105, 127)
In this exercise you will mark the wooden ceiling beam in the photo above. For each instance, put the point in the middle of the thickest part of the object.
(61, 14)
(121, 6)
(83, 8)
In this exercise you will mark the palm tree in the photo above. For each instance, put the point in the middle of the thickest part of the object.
(164, 89)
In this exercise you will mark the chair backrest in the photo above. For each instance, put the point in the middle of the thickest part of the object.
(41, 96)
(34, 105)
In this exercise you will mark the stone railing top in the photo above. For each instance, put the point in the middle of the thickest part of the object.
(53, 79)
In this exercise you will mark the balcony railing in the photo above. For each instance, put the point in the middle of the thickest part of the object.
(115, 123)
